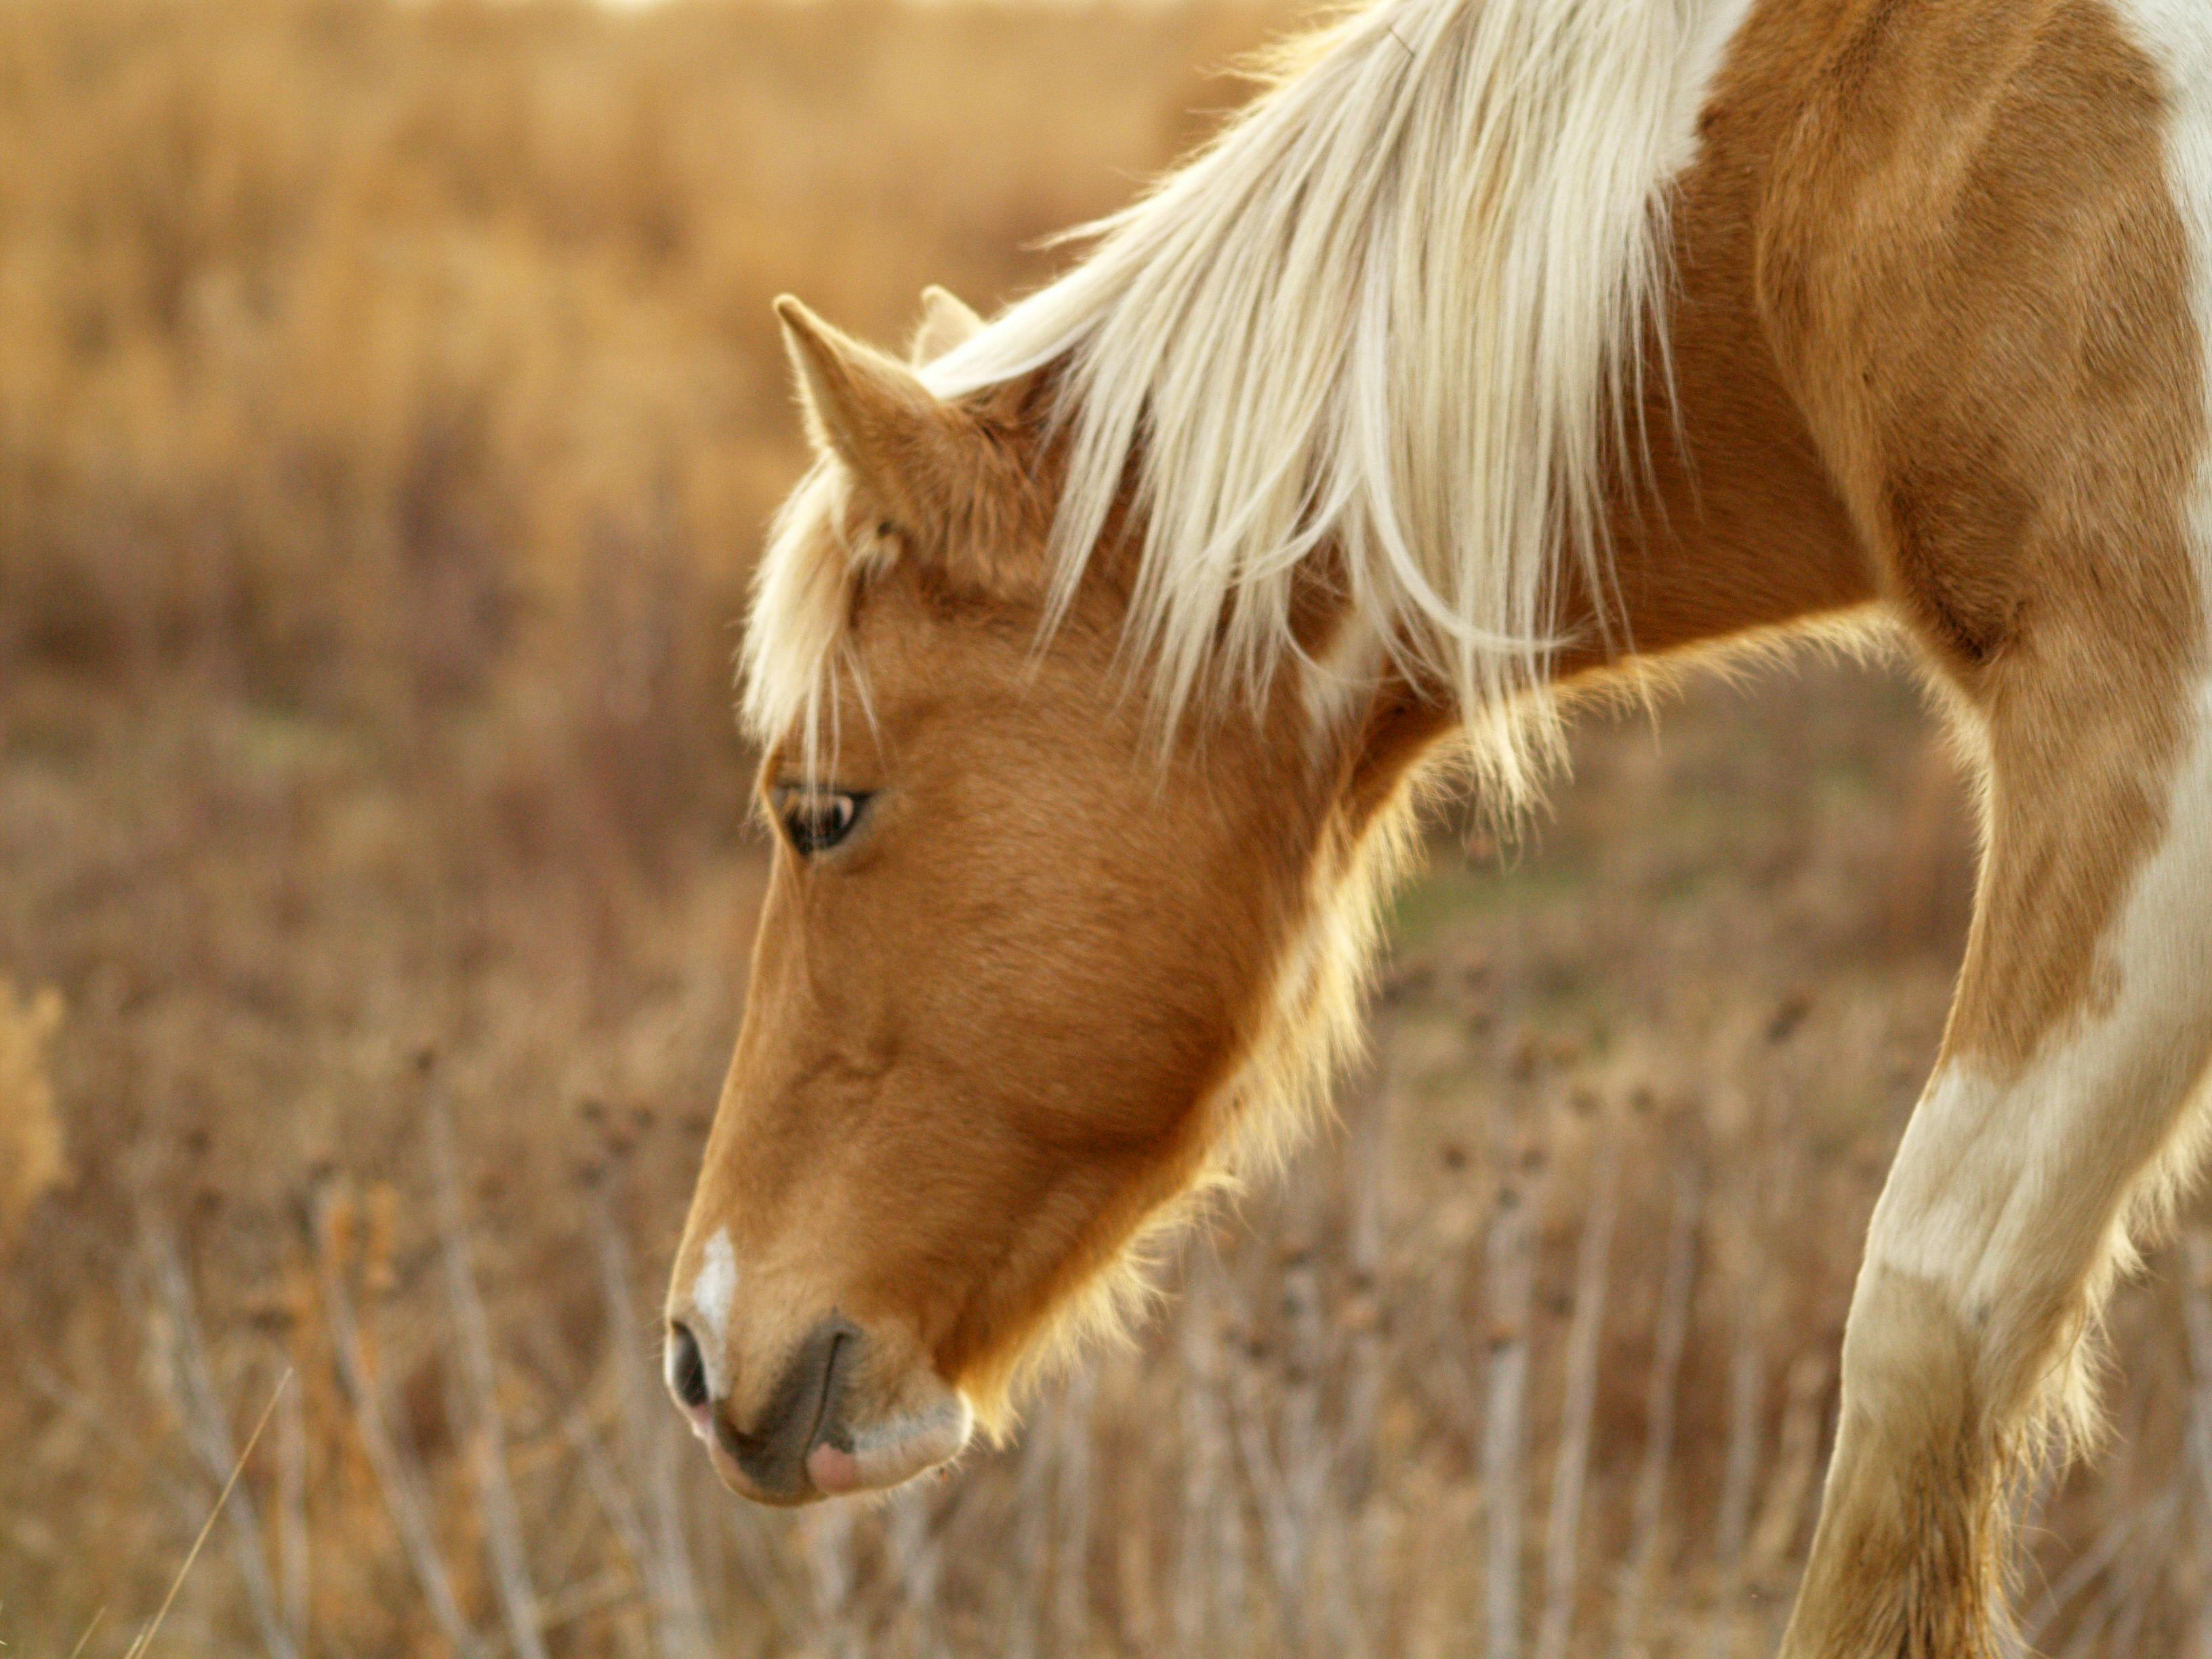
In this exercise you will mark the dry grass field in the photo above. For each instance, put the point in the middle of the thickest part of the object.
(389, 406)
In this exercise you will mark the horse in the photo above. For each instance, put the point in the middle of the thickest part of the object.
(1498, 354)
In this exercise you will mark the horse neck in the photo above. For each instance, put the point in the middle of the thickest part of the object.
(1722, 520)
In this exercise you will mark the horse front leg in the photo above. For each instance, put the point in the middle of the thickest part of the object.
(2058, 1117)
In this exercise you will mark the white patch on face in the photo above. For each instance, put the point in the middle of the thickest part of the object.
(712, 1292)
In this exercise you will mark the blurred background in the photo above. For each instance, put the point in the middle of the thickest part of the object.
(389, 409)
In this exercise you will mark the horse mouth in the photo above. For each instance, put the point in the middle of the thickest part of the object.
(814, 1433)
(893, 1452)
(827, 1433)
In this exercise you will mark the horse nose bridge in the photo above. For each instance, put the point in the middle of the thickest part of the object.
(749, 1303)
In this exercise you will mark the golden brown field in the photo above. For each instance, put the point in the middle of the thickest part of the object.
(389, 402)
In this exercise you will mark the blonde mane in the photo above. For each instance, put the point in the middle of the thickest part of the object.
(1396, 309)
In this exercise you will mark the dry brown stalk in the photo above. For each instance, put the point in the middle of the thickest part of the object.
(1509, 1275)
(1571, 1464)
(1374, 1119)
(91, 1625)
(1208, 1590)
(1363, 1572)
(2082, 1574)
(1032, 1537)
(33, 1162)
(618, 1504)
(145, 1638)
(1796, 1462)
(598, 1593)
(397, 1480)
(2118, 1549)
(472, 1342)
(2196, 1325)
(1746, 1408)
(1648, 1537)
(1281, 1536)
(1190, 1602)
(827, 1530)
(201, 1408)
(293, 1540)
(680, 1630)
(915, 1562)
(1071, 1568)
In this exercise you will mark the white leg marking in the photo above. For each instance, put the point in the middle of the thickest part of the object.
(1994, 1181)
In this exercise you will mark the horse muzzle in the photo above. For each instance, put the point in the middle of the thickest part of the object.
(830, 1425)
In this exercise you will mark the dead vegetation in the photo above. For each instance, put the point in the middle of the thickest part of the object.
(388, 405)
(32, 1160)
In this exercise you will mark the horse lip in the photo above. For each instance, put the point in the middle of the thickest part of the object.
(899, 1448)
(821, 1406)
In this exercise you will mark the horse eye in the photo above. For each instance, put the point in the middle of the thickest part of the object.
(816, 820)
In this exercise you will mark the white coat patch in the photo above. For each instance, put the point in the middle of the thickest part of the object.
(711, 1294)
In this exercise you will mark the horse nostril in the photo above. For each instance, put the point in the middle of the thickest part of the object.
(687, 1368)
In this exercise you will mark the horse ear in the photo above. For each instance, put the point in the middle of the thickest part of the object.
(946, 323)
(902, 443)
